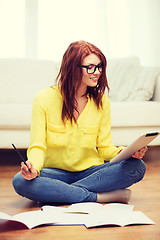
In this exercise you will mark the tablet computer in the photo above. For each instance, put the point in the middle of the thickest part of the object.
(139, 143)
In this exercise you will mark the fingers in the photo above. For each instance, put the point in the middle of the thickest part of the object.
(142, 151)
(140, 154)
(145, 149)
(25, 171)
(135, 155)
(28, 172)
(25, 168)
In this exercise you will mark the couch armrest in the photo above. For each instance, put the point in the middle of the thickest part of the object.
(156, 96)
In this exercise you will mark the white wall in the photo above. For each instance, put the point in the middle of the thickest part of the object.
(131, 28)
(44, 28)
(145, 31)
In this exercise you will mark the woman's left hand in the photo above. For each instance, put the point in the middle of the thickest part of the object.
(140, 154)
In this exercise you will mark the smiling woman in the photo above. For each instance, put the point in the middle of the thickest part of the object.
(75, 80)
(71, 138)
(93, 70)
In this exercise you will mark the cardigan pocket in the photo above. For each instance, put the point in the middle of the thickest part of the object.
(89, 136)
(56, 135)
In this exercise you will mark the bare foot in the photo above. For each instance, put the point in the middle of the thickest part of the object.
(121, 195)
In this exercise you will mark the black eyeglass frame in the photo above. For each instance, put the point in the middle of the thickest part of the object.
(100, 65)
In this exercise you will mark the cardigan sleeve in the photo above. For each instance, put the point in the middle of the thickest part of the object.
(37, 149)
(104, 144)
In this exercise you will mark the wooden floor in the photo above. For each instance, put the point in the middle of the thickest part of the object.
(145, 198)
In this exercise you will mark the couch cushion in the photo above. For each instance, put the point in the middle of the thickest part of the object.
(21, 79)
(156, 96)
(126, 114)
(130, 82)
(126, 60)
(123, 114)
(15, 116)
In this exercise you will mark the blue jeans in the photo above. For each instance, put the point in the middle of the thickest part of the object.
(60, 186)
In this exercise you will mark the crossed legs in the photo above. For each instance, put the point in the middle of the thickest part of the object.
(102, 183)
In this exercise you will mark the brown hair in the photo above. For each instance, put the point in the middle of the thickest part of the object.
(70, 76)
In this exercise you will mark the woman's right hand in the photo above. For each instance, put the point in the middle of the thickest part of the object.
(28, 172)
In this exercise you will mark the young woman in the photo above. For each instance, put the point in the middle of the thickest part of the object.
(70, 153)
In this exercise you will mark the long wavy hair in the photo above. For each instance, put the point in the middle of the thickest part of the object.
(70, 76)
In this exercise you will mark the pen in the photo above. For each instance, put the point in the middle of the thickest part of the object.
(23, 160)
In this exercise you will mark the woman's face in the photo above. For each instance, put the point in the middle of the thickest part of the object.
(91, 70)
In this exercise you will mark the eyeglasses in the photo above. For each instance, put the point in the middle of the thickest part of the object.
(92, 68)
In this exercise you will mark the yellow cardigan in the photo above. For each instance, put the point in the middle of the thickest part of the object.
(72, 147)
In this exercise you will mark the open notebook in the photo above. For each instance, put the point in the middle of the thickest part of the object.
(89, 214)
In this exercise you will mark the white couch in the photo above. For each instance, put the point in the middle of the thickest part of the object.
(134, 95)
